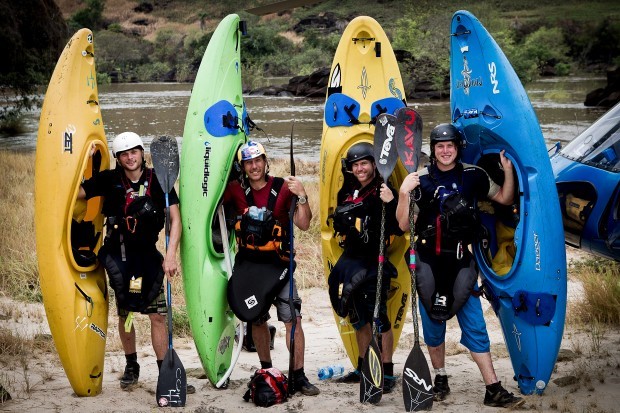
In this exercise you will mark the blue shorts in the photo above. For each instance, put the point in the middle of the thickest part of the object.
(474, 334)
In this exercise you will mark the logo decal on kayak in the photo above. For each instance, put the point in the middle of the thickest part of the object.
(394, 90)
(67, 139)
(364, 83)
(467, 81)
(223, 345)
(517, 334)
(97, 330)
(251, 301)
(494, 82)
(537, 251)
(336, 77)
(205, 175)
(401, 310)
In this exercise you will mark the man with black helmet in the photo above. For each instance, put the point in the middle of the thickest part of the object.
(353, 280)
(262, 203)
(446, 193)
(133, 205)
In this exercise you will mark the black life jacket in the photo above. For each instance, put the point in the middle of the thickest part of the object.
(136, 275)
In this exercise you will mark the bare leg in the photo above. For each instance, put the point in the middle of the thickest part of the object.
(262, 340)
(159, 335)
(485, 364)
(363, 337)
(387, 346)
(438, 355)
(128, 339)
(300, 342)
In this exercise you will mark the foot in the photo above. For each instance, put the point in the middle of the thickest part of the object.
(352, 377)
(306, 388)
(190, 389)
(502, 398)
(441, 388)
(389, 382)
(130, 377)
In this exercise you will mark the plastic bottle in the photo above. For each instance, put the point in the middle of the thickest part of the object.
(328, 372)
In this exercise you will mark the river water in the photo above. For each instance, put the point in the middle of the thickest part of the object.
(152, 109)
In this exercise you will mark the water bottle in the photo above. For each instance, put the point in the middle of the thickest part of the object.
(330, 371)
(253, 212)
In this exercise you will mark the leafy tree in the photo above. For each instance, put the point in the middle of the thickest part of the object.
(545, 47)
(90, 17)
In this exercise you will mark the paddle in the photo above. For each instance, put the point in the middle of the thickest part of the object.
(417, 384)
(291, 303)
(172, 382)
(371, 383)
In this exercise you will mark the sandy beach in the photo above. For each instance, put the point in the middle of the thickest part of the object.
(587, 376)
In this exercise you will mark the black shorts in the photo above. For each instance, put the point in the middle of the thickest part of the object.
(158, 305)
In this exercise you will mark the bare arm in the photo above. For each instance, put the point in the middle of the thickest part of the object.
(410, 182)
(170, 260)
(303, 214)
(505, 196)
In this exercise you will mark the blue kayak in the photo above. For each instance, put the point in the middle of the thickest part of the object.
(522, 261)
(587, 173)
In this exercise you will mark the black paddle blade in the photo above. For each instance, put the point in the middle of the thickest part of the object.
(172, 383)
(165, 155)
(417, 384)
(371, 381)
(386, 155)
(409, 137)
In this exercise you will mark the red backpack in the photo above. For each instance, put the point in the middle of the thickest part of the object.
(267, 387)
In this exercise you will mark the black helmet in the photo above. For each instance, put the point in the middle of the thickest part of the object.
(445, 132)
(359, 151)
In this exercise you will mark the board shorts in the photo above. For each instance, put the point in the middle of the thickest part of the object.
(283, 309)
(158, 305)
(474, 335)
(362, 308)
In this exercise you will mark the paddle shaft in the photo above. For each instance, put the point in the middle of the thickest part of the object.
(291, 302)
(412, 267)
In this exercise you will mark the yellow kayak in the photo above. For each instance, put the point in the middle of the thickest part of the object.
(71, 146)
(364, 82)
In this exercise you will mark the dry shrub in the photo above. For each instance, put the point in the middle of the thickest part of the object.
(600, 279)
(18, 263)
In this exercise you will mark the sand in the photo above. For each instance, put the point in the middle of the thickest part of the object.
(587, 376)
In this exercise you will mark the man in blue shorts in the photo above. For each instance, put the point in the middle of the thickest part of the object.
(446, 224)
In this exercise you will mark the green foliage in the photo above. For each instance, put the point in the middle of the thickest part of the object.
(152, 72)
(115, 27)
(91, 16)
(115, 51)
(545, 47)
(168, 45)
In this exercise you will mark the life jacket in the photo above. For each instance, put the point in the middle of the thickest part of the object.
(457, 223)
(136, 281)
(141, 221)
(257, 230)
(352, 219)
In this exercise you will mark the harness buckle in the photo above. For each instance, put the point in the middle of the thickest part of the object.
(131, 224)
(459, 250)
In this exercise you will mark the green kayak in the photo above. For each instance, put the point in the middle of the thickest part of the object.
(215, 127)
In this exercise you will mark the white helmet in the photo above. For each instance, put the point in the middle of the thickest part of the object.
(126, 141)
(250, 150)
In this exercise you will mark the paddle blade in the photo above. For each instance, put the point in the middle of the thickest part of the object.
(165, 155)
(417, 384)
(371, 381)
(384, 145)
(172, 382)
(409, 137)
